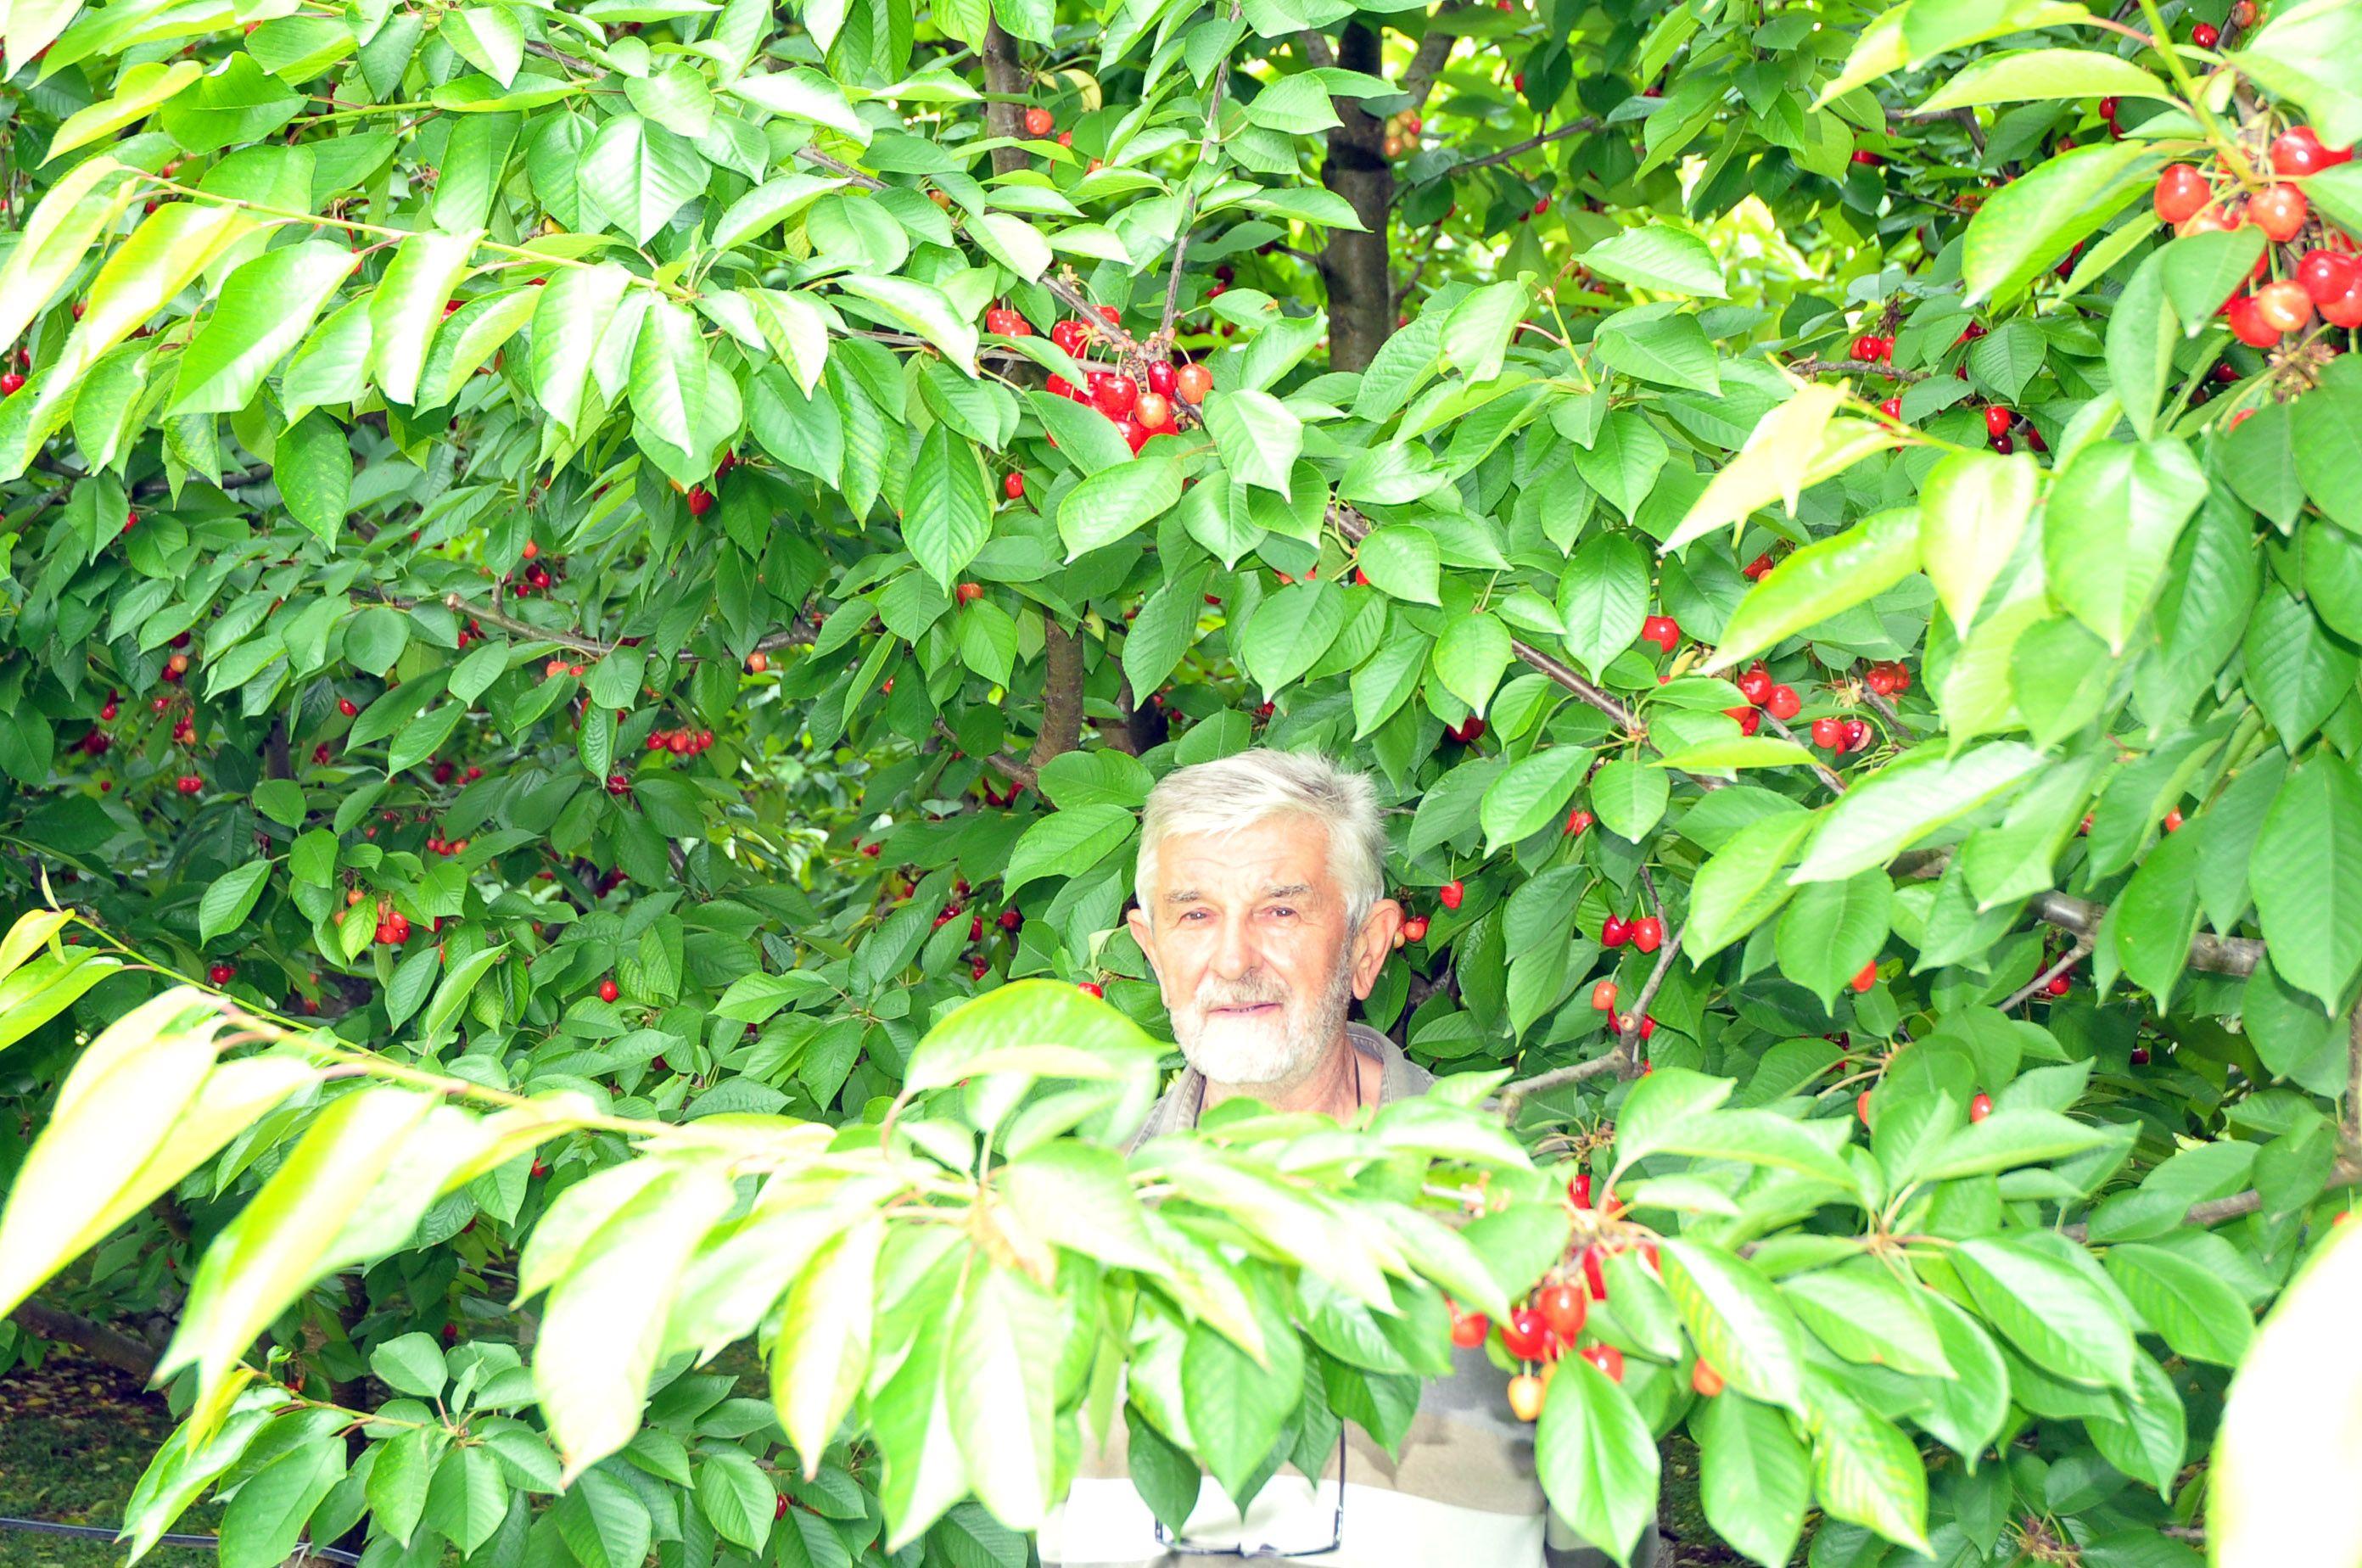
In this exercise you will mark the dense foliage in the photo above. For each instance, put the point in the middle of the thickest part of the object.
(595, 592)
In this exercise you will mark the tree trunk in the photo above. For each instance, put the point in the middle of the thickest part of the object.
(98, 1340)
(1354, 265)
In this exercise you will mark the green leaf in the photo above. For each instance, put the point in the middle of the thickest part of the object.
(1751, 1476)
(487, 37)
(1400, 560)
(1476, 334)
(1629, 797)
(1531, 795)
(2199, 272)
(950, 513)
(1973, 508)
(1866, 1471)
(2188, 1303)
(604, 1319)
(1831, 930)
(2031, 222)
(1741, 885)
(1819, 581)
(2305, 873)
(1117, 502)
(1660, 257)
(411, 1364)
(737, 1497)
(408, 305)
(1259, 438)
(2054, 1316)
(1001, 1404)
(1290, 632)
(2304, 53)
(821, 1353)
(1236, 1406)
(639, 175)
(1067, 844)
(2157, 914)
(1602, 597)
(2109, 529)
(137, 94)
(1793, 445)
(1597, 1460)
(2036, 75)
(266, 307)
(568, 323)
(231, 899)
(2296, 672)
(1895, 808)
(314, 471)
(1737, 1321)
(1470, 657)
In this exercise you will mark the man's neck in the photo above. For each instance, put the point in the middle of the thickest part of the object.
(1333, 1086)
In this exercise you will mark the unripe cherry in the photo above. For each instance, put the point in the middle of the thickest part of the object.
(2280, 212)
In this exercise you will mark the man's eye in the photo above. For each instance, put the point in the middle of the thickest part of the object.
(1284, 912)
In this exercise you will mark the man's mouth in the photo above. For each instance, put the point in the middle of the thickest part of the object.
(1243, 1009)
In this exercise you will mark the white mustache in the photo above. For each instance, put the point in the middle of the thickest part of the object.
(1207, 1003)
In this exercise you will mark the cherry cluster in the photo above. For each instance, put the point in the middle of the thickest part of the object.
(1138, 413)
(1604, 996)
(2317, 272)
(1550, 1321)
(681, 743)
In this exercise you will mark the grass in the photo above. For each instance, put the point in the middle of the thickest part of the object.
(74, 1436)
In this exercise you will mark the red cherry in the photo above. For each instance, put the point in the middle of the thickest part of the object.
(1756, 685)
(968, 592)
(1114, 395)
(1469, 1328)
(1892, 408)
(1704, 1379)
(1998, 420)
(1661, 630)
(1068, 336)
(1089, 988)
(1750, 718)
(1469, 731)
(10, 383)
(1415, 929)
(1525, 1334)
(2173, 820)
(1161, 378)
(700, 500)
(2280, 212)
(2328, 275)
(2181, 191)
(345, 705)
(1450, 894)
(1541, 205)
(1648, 934)
(2059, 986)
(1868, 978)
(1782, 703)
(2247, 324)
(1039, 122)
(1981, 1108)
(1577, 821)
(2284, 306)
(2139, 1055)
(2205, 35)
(1867, 159)
(1614, 932)
(1014, 485)
(1828, 733)
(2346, 312)
(1578, 1189)
(608, 991)
(1564, 1308)
(2296, 151)
(1861, 1107)
(1607, 1359)
(1603, 997)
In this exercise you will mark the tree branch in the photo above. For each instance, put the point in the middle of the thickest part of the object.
(2346, 1173)
(1520, 148)
(1062, 693)
(1514, 1095)
(1434, 49)
(1857, 367)
(1627, 1039)
(1009, 767)
(1162, 337)
(2077, 951)
(2209, 954)
(798, 632)
(117, 1349)
(1822, 770)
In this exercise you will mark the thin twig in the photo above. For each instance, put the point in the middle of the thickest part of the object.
(1828, 775)
(2077, 951)
(800, 632)
(1857, 367)
(2354, 1082)
(1206, 146)
(1518, 149)
(1009, 767)
(1627, 1039)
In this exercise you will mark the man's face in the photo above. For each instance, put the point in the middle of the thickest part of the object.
(1249, 940)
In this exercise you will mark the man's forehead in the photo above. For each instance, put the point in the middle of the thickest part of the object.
(1286, 854)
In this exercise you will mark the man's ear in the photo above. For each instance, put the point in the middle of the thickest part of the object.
(1136, 919)
(1372, 943)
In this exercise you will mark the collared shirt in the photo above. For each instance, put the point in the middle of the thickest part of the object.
(1462, 1490)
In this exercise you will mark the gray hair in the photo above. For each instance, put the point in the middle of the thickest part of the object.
(1241, 790)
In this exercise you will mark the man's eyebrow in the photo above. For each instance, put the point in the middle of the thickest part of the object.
(1182, 896)
(1290, 890)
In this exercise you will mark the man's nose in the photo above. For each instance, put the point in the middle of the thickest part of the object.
(1234, 951)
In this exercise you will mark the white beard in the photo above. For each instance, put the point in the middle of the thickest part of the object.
(1257, 1052)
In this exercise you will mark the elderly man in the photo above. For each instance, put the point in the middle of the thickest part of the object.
(1261, 909)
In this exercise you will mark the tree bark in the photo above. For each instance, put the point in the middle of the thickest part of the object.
(119, 1351)
(1353, 264)
(1004, 114)
(1062, 693)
